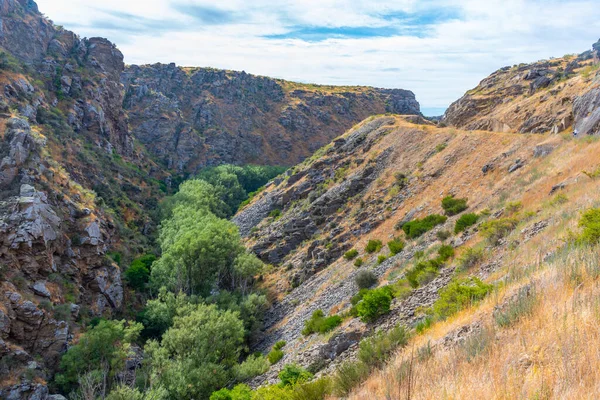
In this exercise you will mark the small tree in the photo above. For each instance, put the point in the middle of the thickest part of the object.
(365, 279)
(374, 304)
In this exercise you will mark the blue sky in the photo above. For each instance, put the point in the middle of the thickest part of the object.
(437, 48)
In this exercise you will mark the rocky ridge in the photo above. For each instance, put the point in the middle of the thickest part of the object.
(549, 96)
(193, 117)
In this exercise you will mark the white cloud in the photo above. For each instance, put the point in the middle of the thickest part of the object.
(439, 66)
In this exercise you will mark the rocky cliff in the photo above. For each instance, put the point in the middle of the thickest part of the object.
(547, 96)
(193, 117)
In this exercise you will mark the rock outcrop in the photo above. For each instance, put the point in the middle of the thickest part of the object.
(194, 117)
(545, 97)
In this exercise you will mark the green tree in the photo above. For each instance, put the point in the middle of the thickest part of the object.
(199, 251)
(105, 347)
(374, 304)
(195, 354)
(159, 313)
(195, 194)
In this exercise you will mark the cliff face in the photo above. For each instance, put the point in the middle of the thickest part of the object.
(547, 96)
(193, 117)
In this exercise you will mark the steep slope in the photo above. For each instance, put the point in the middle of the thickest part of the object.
(370, 182)
(548, 96)
(193, 117)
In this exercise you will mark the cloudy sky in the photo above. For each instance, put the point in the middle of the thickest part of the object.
(436, 48)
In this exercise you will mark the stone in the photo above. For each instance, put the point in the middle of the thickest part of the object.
(40, 289)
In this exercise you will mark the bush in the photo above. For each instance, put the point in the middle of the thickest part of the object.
(275, 214)
(138, 273)
(239, 392)
(318, 323)
(516, 308)
(443, 235)
(348, 376)
(465, 221)
(315, 390)
(254, 365)
(590, 222)
(418, 227)
(453, 206)
(358, 262)
(373, 246)
(495, 231)
(351, 254)
(458, 295)
(374, 304)
(365, 279)
(275, 356)
(445, 253)
(280, 345)
(273, 392)
(396, 246)
(381, 259)
(423, 272)
(471, 257)
(514, 207)
(374, 351)
(107, 345)
(293, 374)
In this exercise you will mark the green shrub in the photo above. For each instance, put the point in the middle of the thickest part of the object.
(396, 246)
(293, 374)
(280, 345)
(514, 207)
(318, 323)
(239, 392)
(445, 253)
(590, 222)
(423, 272)
(348, 376)
(418, 227)
(465, 221)
(358, 296)
(275, 214)
(351, 254)
(443, 235)
(453, 206)
(138, 273)
(275, 356)
(254, 365)
(106, 344)
(458, 295)
(365, 279)
(374, 304)
(316, 390)
(516, 308)
(358, 262)
(373, 246)
(273, 392)
(376, 350)
(424, 325)
(471, 257)
(559, 199)
(381, 259)
(496, 230)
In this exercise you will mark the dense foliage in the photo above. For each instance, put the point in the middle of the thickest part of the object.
(319, 323)
(418, 227)
(453, 206)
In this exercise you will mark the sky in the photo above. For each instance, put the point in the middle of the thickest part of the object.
(439, 49)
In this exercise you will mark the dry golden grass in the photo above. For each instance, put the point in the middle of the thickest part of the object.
(552, 354)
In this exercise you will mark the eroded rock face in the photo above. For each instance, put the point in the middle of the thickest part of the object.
(41, 266)
(191, 118)
(543, 97)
